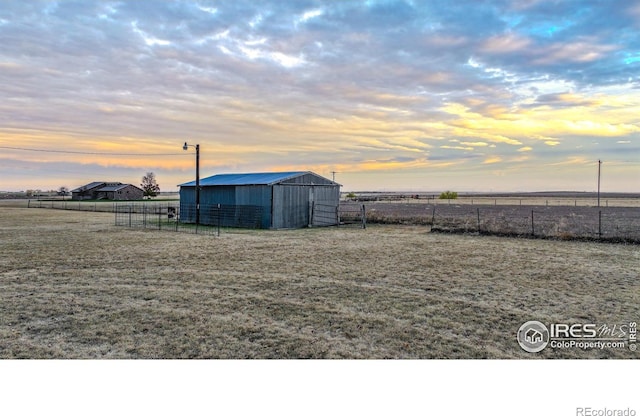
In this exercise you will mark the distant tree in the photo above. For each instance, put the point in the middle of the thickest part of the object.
(448, 195)
(149, 185)
(64, 191)
(351, 195)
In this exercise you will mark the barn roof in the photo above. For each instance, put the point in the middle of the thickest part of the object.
(265, 178)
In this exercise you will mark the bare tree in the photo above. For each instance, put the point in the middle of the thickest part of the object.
(149, 185)
(64, 191)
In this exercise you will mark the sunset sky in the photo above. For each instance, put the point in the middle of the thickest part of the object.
(468, 95)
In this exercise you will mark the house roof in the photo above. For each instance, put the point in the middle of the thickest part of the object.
(265, 178)
(113, 188)
(88, 186)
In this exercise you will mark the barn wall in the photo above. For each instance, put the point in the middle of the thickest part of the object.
(329, 195)
(209, 195)
(213, 195)
(308, 179)
(291, 206)
(187, 204)
(257, 195)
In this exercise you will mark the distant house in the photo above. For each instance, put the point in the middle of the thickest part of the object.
(114, 191)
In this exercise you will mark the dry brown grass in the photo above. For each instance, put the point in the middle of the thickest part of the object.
(72, 285)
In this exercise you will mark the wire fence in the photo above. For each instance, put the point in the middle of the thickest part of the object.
(94, 206)
(569, 223)
(208, 220)
(352, 214)
(616, 224)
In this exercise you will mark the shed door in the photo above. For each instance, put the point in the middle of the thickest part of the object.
(290, 206)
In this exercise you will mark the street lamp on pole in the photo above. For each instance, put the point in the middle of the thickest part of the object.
(599, 166)
(197, 146)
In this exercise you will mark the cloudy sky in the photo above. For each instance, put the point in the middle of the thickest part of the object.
(469, 95)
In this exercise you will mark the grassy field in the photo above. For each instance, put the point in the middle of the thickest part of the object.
(72, 285)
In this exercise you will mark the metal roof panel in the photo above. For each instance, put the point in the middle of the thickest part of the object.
(232, 179)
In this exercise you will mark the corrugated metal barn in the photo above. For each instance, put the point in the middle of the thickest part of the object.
(281, 199)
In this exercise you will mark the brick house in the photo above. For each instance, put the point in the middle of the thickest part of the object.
(115, 191)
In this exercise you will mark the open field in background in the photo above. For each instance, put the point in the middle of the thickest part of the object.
(72, 285)
(574, 199)
(616, 220)
(613, 224)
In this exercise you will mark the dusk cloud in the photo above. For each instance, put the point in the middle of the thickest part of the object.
(345, 86)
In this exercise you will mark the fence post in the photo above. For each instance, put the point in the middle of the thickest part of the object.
(533, 229)
(160, 216)
(219, 219)
(599, 224)
(433, 216)
(364, 217)
(478, 220)
(129, 216)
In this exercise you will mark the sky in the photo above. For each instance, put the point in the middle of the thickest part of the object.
(466, 95)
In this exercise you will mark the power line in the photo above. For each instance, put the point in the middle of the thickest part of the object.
(93, 153)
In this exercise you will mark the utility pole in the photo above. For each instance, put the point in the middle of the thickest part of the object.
(599, 164)
(197, 147)
(333, 173)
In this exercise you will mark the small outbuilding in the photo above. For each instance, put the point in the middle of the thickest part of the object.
(263, 200)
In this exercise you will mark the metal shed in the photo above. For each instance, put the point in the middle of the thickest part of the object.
(272, 199)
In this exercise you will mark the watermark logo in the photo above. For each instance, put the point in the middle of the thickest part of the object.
(590, 411)
(533, 336)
